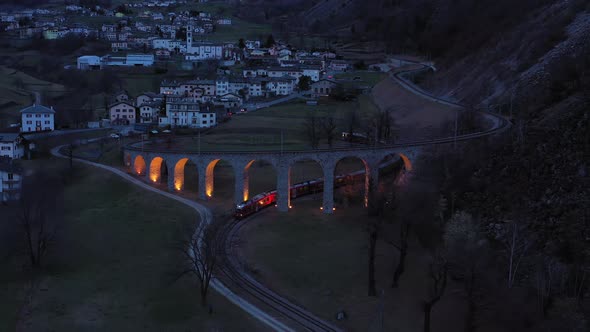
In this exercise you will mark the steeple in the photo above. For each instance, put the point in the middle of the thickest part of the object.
(189, 35)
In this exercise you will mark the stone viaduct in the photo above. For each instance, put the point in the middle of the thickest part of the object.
(151, 164)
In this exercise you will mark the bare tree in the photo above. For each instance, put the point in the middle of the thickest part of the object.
(384, 125)
(40, 213)
(202, 256)
(550, 275)
(438, 283)
(403, 252)
(517, 244)
(329, 129)
(468, 254)
(70, 149)
(351, 123)
(375, 218)
(312, 128)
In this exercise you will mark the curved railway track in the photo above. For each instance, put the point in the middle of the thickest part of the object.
(231, 270)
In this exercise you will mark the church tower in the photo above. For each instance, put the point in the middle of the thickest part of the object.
(189, 36)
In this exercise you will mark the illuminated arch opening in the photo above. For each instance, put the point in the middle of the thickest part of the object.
(139, 165)
(351, 181)
(157, 169)
(259, 176)
(407, 162)
(185, 175)
(302, 171)
(219, 179)
(393, 170)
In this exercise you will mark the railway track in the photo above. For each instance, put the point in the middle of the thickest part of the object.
(231, 271)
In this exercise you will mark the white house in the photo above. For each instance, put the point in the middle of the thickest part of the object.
(312, 71)
(252, 44)
(323, 87)
(281, 86)
(147, 97)
(10, 180)
(228, 101)
(186, 112)
(37, 118)
(148, 112)
(121, 96)
(88, 62)
(224, 21)
(233, 84)
(294, 72)
(122, 113)
(170, 88)
(119, 45)
(339, 65)
(11, 145)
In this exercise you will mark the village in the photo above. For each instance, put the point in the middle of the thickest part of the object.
(249, 73)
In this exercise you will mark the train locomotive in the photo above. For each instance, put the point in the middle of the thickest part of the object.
(269, 198)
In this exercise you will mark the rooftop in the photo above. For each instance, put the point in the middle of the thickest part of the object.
(8, 137)
(37, 109)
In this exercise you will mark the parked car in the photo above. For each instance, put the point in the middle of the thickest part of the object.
(113, 135)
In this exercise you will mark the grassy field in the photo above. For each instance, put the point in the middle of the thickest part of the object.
(320, 262)
(108, 152)
(369, 77)
(16, 90)
(114, 267)
(261, 130)
(239, 29)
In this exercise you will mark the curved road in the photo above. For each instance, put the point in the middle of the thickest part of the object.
(206, 217)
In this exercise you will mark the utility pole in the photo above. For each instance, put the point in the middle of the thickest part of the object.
(281, 142)
(511, 102)
(456, 129)
(199, 141)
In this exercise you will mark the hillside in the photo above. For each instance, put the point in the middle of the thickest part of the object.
(529, 60)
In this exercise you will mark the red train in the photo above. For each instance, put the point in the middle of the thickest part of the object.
(269, 198)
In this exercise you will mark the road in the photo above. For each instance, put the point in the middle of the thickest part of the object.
(231, 270)
(205, 216)
(35, 135)
(256, 106)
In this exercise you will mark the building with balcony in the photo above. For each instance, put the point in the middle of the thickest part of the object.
(10, 180)
(187, 112)
(11, 145)
(122, 113)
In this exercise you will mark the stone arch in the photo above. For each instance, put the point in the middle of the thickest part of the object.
(127, 160)
(179, 174)
(308, 173)
(286, 178)
(139, 165)
(349, 175)
(246, 188)
(157, 169)
(210, 175)
(407, 162)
